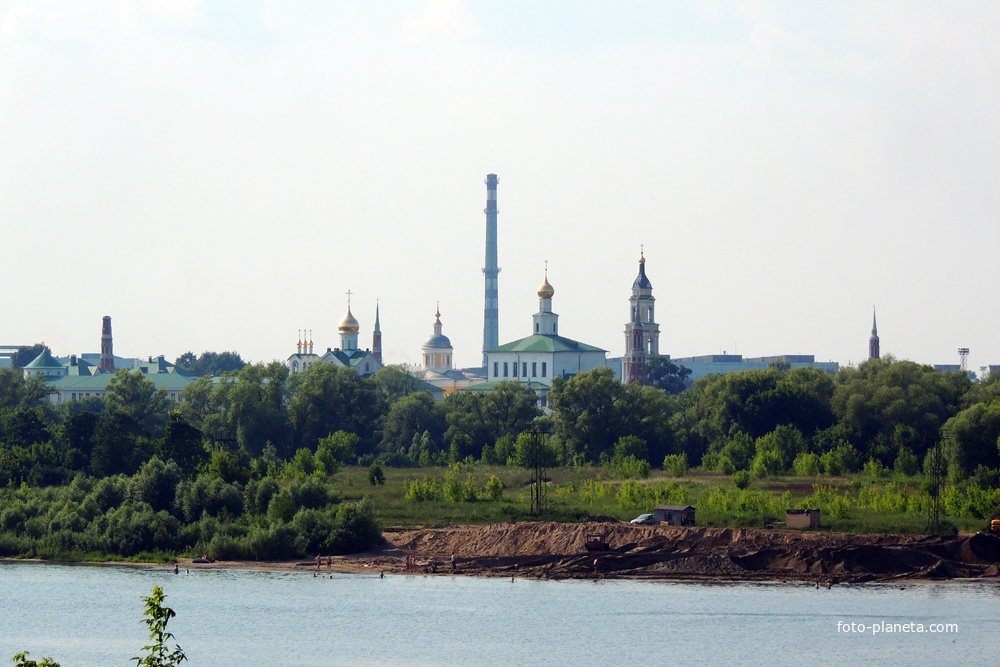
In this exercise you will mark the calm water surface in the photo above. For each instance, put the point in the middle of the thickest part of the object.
(89, 615)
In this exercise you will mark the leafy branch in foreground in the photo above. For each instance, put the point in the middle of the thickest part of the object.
(21, 660)
(157, 618)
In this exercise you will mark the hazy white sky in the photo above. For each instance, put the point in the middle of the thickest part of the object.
(216, 175)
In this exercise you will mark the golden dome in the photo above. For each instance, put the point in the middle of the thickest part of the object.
(349, 324)
(545, 290)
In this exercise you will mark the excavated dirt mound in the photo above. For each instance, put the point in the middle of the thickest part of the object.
(556, 550)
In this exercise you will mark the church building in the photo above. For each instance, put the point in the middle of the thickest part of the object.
(543, 355)
(349, 355)
(438, 369)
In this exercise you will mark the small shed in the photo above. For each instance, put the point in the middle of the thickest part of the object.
(804, 518)
(675, 515)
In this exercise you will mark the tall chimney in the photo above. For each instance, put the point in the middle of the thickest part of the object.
(107, 355)
(491, 313)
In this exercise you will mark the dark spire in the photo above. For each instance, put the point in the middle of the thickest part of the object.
(873, 346)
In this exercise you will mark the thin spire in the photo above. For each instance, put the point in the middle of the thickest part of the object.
(376, 315)
(874, 327)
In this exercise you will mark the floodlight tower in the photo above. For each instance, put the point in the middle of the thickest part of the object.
(963, 353)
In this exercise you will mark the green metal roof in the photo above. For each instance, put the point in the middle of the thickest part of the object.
(546, 343)
(490, 386)
(44, 360)
(166, 381)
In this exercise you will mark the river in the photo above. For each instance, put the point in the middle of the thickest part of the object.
(82, 615)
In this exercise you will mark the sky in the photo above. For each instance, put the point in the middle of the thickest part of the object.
(216, 175)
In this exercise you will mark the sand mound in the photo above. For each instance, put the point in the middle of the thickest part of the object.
(557, 550)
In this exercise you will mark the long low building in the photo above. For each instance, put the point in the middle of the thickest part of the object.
(714, 364)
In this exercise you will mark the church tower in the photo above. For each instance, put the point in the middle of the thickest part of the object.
(545, 321)
(377, 338)
(873, 341)
(437, 349)
(348, 329)
(635, 370)
(641, 310)
(107, 362)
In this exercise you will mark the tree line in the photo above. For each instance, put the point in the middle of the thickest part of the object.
(884, 412)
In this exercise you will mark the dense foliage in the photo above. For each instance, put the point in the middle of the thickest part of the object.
(244, 465)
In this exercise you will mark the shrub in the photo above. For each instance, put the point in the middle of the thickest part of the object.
(375, 475)
(906, 462)
(741, 479)
(629, 466)
(806, 465)
(676, 464)
(494, 488)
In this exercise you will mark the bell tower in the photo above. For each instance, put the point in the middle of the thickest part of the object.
(641, 307)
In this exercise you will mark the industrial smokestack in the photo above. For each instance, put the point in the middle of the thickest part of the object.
(107, 362)
(491, 313)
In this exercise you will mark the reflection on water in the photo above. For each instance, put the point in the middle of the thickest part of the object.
(89, 615)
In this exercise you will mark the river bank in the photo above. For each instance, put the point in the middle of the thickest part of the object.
(557, 551)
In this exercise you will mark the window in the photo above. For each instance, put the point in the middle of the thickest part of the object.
(505, 369)
(524, 369)
(496, 371)
(536, 327)
(543, 369)
(555, 328)
(534, 369)
(427, 361)
(447, 360)
(515, 369)
(367, 366)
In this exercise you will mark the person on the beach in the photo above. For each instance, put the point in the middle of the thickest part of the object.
(453, 562)
(176, 570)
(319, 562)
(329, 563)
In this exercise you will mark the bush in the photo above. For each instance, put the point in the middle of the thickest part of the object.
(676, 464)
(741, 479)
(806, 465)
(494, 488)
(906, 462)
(629, 466)
(375, 475)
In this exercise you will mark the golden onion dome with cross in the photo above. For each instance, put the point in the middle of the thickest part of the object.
(349, 324)
(545, 290)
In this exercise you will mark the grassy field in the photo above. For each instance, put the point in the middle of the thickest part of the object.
(893, 504)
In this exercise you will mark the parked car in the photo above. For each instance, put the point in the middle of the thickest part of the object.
(645, 520)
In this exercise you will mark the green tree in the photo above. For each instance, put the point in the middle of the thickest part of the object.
(16, 391)
(880, 394)
(592, 410)
(158, 653)
(182, 443)
(115, 446)
(393, 383)
(409, 415)
(252, 405)
(375, 475)
(666, 375)
(131, 394)
(486, 416)
(971, 439)
(327, 398)
(209, 363)
(24, 355)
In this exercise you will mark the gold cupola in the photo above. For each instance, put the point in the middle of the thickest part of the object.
(349, 324)
(545, 290)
